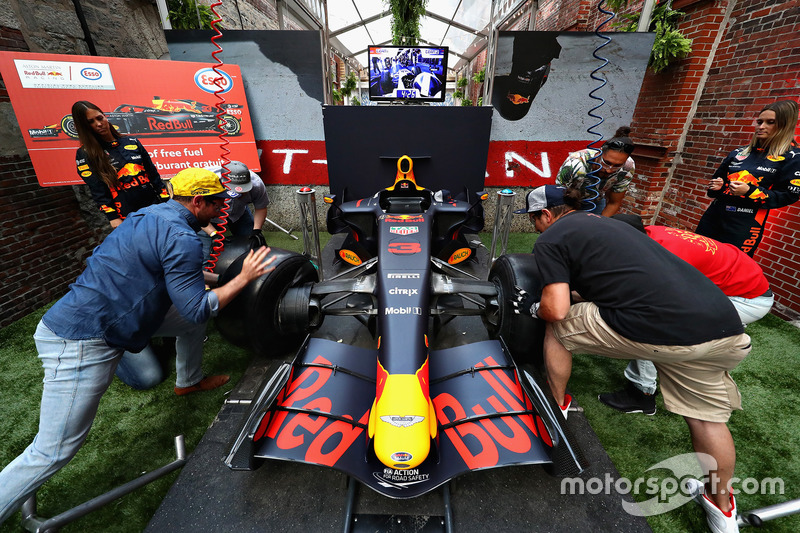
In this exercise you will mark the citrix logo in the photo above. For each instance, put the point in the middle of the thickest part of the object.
(404, 292)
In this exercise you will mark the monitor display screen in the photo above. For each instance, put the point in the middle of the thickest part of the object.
(415, 73)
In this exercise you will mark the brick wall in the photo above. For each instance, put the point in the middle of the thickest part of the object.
(745, 54)
(757, 62)
(44, 239)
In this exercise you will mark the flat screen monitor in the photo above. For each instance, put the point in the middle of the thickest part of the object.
(412, 73)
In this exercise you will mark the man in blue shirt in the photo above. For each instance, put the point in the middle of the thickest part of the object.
(151, 262)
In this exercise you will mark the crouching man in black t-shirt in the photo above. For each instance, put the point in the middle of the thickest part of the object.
(641, 302)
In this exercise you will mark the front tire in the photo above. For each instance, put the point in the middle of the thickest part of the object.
(251, 320)
(523, 334)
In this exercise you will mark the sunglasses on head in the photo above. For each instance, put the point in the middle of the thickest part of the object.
(620, 146)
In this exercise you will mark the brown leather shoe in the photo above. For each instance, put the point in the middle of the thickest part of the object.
(207, 383)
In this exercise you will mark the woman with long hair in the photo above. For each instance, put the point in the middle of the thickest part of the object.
(755, 178)
(118, 170)
(122, 179)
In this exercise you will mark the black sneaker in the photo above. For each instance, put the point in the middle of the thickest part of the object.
(630, 400)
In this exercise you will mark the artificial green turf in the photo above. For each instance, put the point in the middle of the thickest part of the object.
(766, 432)
(134, 430)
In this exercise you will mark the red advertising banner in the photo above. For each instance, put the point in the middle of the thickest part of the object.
(170, 106)
(510, 163)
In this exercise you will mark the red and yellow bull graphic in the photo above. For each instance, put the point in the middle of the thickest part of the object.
(130, 169)
(402, 420)
(707, 244)
(518, 99)
(744, 177)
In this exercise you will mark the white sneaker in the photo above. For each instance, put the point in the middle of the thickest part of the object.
(565, 408)
(718, 521)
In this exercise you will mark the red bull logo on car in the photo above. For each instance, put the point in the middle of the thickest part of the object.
(517, 99)
(167, 125)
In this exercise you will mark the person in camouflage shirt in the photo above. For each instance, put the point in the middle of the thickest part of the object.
(615, 173)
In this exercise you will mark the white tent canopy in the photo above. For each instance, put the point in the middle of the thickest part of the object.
(461, 25)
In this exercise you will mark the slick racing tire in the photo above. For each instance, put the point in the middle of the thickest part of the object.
(230, 124)
(251, 319)
(68, 126)
(523, 334)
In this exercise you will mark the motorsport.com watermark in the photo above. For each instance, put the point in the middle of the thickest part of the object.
(667, 492)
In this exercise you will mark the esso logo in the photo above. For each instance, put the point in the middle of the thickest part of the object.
(205, 79)
(459, 255)
(91, 73)
(350, 257)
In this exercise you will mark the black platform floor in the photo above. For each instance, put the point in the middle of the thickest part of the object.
(288, 497)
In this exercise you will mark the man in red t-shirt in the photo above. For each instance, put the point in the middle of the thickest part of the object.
(733, 271)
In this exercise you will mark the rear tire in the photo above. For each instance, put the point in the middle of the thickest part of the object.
(523, 334)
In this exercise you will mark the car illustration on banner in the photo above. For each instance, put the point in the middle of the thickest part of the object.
(164, 117)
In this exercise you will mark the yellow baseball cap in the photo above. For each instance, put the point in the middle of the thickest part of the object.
(198, 182)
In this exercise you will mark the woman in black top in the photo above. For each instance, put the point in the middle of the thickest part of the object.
(755, 178)
(118, 170)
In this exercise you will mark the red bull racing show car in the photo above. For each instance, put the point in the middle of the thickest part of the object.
(406, 408)
(164, 117)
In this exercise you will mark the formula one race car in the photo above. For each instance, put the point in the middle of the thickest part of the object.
(164, 117)
(407, 409)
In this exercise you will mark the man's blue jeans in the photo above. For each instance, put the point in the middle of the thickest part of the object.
(76, 374)
(143, 370)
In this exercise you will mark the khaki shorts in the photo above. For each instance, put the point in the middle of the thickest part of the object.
(694, 379)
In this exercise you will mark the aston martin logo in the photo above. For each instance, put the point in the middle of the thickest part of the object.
(402, 421)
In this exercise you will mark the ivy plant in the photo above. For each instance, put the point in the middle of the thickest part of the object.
(405, 20)
(347, 88)
(183, 15)
(670, 44)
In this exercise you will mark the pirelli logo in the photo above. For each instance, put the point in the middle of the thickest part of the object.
(402, 276)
